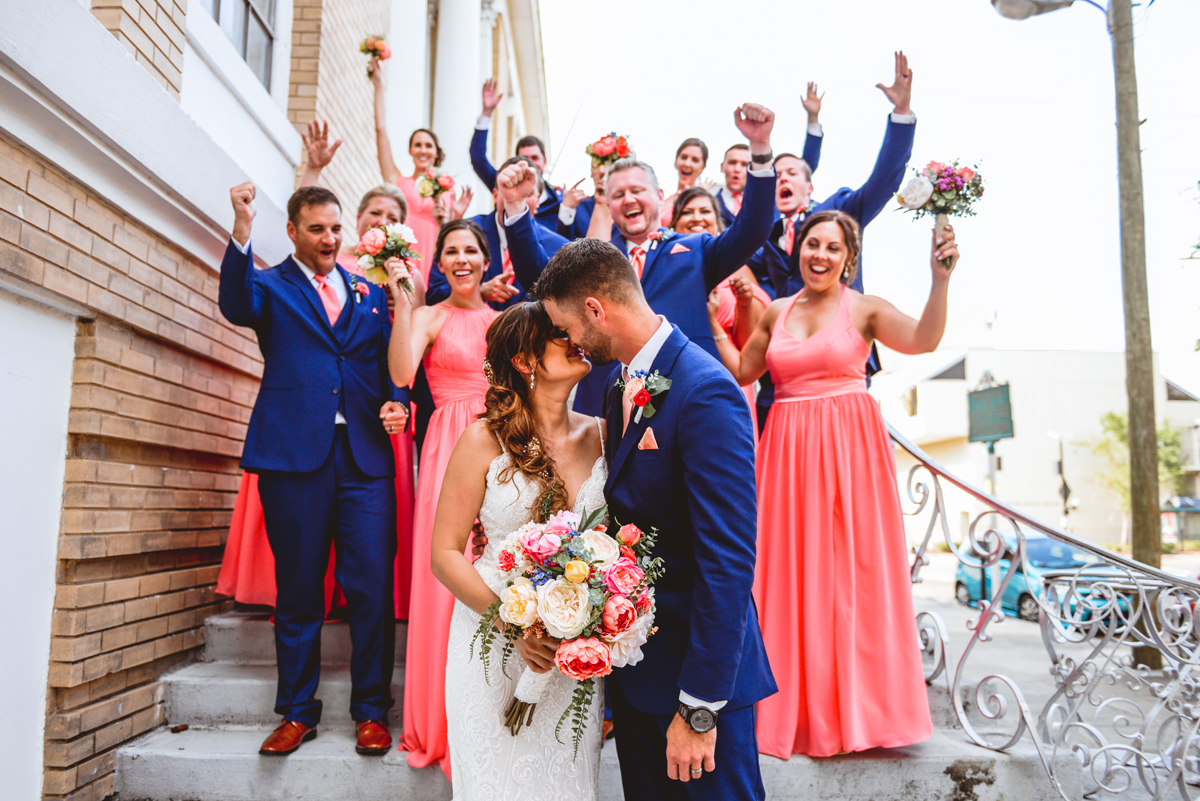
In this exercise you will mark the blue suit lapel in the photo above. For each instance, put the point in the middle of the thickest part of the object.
(353, 299)
(652, 253)
(663, 363)
(293, 273)
(619, 241)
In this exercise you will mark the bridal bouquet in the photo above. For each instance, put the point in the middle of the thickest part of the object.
(570, 579)
(608, 149)
(942, 190)
(433, 183)
(377, 245)
(375, 47)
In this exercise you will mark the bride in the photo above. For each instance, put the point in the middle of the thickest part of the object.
(526, 458)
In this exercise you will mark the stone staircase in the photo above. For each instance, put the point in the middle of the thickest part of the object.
(226, 699)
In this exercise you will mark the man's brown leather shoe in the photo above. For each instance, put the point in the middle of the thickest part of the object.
(286, 738)
(374, 739)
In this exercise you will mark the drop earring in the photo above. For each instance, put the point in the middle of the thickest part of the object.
(532, 377)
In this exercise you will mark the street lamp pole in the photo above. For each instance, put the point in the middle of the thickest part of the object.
(1139, 358)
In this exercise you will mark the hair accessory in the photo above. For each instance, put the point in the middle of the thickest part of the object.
(487, 372)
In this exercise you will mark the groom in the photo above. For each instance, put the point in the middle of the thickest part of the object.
(685, 713)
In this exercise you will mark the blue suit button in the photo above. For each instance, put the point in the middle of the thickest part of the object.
(335, 390)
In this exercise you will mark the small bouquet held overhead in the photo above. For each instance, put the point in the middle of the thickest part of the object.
(608, 149)
(375, 47)
(377, 245)
(570, 579)
(942, 190)
(433, 183)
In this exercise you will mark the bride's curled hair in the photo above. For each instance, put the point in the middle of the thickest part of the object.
(520, 333)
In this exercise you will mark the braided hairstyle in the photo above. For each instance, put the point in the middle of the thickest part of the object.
(523, 331)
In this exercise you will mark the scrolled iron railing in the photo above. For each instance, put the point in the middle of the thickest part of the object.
(1133, 730)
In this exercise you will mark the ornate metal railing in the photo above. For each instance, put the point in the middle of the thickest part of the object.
(1127, 727)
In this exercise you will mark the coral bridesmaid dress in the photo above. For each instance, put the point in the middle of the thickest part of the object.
(832, 584)
(421, 220)
(248, 566)
(454, 368)
(726, 307)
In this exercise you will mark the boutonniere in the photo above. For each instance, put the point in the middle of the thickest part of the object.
(361, 288)
(640, 389)
(664, 235)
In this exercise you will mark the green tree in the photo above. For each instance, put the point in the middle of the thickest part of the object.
(1113, 447)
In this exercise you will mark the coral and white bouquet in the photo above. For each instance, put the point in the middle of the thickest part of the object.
(942, 190)
(375, 47)
(377, 245)
(433, 183)
(570, 579)
(608, 149)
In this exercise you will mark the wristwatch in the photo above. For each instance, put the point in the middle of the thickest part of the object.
(699, 719)
(766, 158)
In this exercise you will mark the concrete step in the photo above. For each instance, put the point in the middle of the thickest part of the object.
(224, 693)
(223, 765)
(249, 638)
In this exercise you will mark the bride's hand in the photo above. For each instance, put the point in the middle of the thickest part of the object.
(538, 652)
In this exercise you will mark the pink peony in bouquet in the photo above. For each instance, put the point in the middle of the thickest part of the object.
(376, 47)
(377, 245)
(942, 190)
(608, 149)
(570, 579)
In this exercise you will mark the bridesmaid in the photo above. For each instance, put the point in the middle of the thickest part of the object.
(424, 215)
(691, 157)
(737, 303)
(248, 566)
(449, 340)
(832, 585)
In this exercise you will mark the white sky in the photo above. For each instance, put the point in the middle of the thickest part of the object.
(1032, 102)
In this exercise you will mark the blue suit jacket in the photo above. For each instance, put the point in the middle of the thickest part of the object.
(308, 371)
(811, 155)
(697, 488)
(583, 218)
(547, 213)
(546, 246)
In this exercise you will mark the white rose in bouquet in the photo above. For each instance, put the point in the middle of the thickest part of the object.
(916, 193)
(607, 549)
(518, 603)
(626, 647)
(365, 262)
(401, 231)
(563, 608)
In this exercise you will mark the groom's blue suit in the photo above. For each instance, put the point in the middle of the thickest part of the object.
(697, 488)
(321, 481)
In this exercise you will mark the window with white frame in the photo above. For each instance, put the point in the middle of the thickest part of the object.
(250, 25)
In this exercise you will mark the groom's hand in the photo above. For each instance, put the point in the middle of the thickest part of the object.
(538, 652)
(688, 751)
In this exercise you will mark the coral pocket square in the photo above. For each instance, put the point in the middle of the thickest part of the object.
(374, 310)
(679, 248)
(648, 442)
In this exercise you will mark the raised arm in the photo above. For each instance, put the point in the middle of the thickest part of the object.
(240, 293)
(752, 225)
(411, 335)
(814, 137)
(515, 184)
(479, 160)
(865, 203)
(902, 333)
(318, 151)
(387, 164)
(457, 508)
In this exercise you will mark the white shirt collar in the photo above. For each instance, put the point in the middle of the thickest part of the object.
(630, 245)
(503, 238)
(334, 278)
(649, 352)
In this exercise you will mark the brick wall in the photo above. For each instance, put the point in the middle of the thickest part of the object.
(162, 392)
(152, 31)
(329, 82)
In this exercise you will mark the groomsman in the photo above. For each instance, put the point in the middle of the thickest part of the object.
(676, 271)
(780, 257)
(318, 439)
(529, 147)
(500, 289)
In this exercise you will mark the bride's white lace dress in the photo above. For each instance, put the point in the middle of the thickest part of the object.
(487, 762)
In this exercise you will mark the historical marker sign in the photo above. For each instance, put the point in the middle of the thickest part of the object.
(990, 414)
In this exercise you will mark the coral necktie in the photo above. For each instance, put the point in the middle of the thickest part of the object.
(328, 299)
(736, 206)
(789, 236)
(637, 257)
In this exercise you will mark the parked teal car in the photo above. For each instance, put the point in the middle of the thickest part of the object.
(1020, 597)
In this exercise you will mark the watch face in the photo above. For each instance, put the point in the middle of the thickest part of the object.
(701, 720)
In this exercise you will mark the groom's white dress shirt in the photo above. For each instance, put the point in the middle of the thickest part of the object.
(644, 360)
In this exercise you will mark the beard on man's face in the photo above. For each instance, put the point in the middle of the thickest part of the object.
(597, 345)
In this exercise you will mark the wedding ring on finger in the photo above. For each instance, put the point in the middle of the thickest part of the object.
(697, 772)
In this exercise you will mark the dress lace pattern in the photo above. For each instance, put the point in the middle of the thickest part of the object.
(489, 764)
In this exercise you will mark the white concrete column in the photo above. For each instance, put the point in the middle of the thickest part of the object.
(407, 76)
(456, 90)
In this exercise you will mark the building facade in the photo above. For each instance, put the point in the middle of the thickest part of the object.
(1058, 398)
(123, 124)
